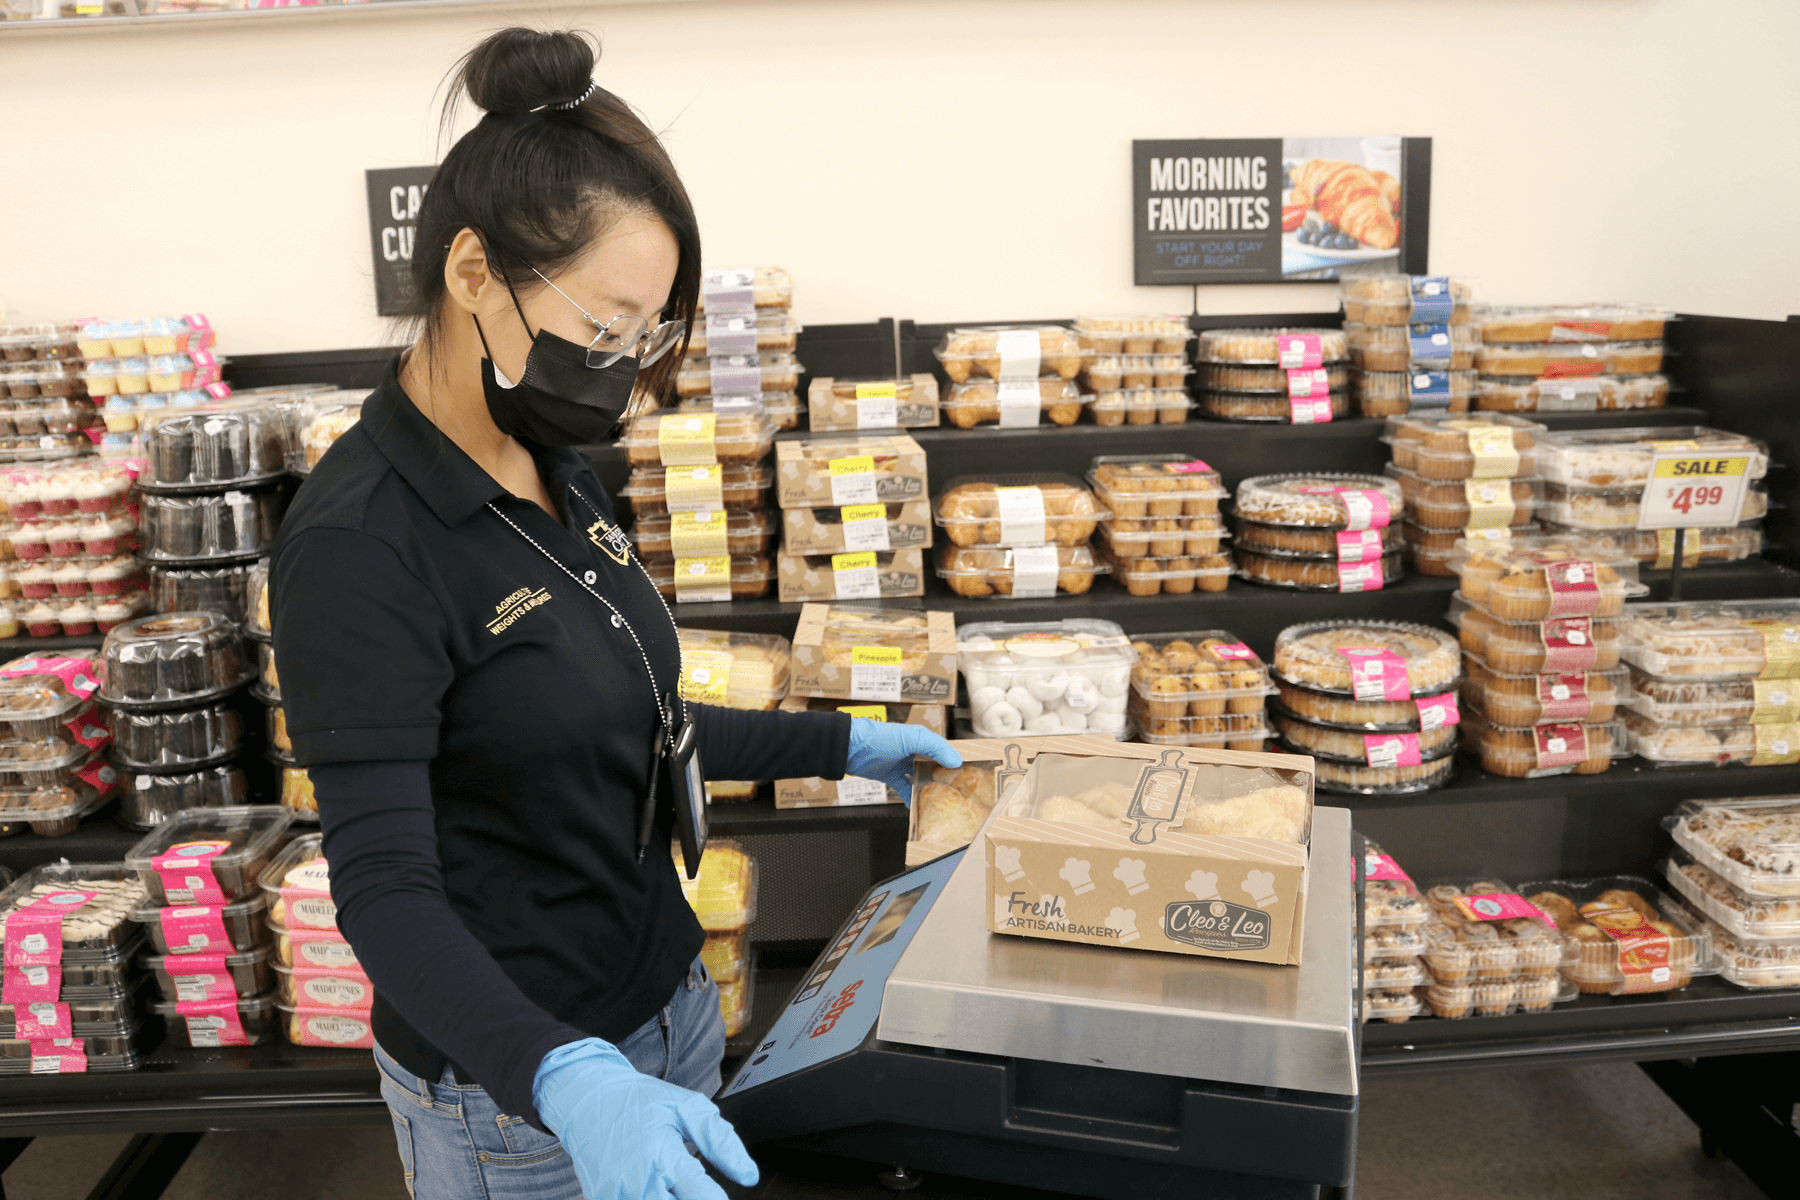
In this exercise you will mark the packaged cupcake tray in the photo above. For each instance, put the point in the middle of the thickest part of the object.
(1623, 936)
(1136, 487)
(1556, 645)
(46, 341)
(1139, 406)
(39, 694)
(209, 856)
(148, 798)
(1520, 701)
(172, 660)
(56, 809)
(1050, 677)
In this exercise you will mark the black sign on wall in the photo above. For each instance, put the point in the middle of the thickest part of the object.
(395, 194)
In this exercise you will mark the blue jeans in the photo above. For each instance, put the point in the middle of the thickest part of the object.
(456, 1145)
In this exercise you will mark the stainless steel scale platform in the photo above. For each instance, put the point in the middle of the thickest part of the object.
(921, 1039)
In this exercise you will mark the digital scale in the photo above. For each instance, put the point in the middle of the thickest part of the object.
(921, 1039)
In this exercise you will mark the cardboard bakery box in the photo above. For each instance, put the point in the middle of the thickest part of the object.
(869, 468)
(827, 793)
(832, 530)
(846, 405)
(1189, 851)
(951, 803)
(867, 652)
(853, 575)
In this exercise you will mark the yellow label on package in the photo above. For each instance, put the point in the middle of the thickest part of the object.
(1665, 549)
(686, 439)
(875, 656)
(1492, 448)
(703, 580)
(1776, 745)
(859, 464)
(863, 561)
(705, 676)
(868, 712)
(864, 512)
(853, 480)
(694, 489)
(1777, 702)
(698, 534)
(877, 391)
(875, 673)
(1490, 503)
(1781, 648)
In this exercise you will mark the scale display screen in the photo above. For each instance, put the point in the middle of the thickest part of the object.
(838, 1003)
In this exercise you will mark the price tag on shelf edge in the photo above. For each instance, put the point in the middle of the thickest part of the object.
(1688, 490)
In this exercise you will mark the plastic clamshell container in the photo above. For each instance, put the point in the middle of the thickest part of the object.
(1461, 504)
(750, 575)
(304, 987)
(1160, 333)
(1162, 537)
(1006, 572)
(1236, 731)
(1621, 458)
(253, 834)
(1139, 406)
(1507, 323)
(1655, 548)
(783, 409)
(315, 422)
(256, 1014)
(1139, 486)
(99, 931)
(1554, 646)
(1394, 1005)
(1748, 918)
(1464, 446)
(1318, 500)
(1605, 510)
(1437, 347)
(1244, 377)
(1264, 346)
(1540, 751)
(178, 978)
(1106, 372)
(776, 372)
(1311, 655)
(741, 485)
(1753, 964)
(1343, 746)
(1408, 299)
(1497, 997)
(1339, 710)
(1460, 947)
(1392, 943)
(723, 895)
(1264, 406)
(1572, 358)
(744, 333)
(1727, 639)
(95, 1015)
(1003, 510)
(746, 531)
(1752, 844)
(1038, 677)
(327, 1028)
(1360, 779)
(299, 886)
(1179, 575)
(83, 977)
(1408, 386)
(1200, 673)
(242, 921)
(727, 954)
(322, 948)
(1709, 745)
(736, 289)
(173, 659)
(112, 1052)
(1677, 949)
(1010, 352)
(986, 401)
(1389, 902)
(758, 677)
(36, 703)
(55, 807)
(1518, 701)
(1536, 578)
(1700, 701)
(1569, 393)
(664, 437)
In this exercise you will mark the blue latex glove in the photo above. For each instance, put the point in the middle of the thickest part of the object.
(884, 751)
(624, 1129)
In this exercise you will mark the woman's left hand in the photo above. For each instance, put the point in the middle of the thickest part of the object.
(884, 752)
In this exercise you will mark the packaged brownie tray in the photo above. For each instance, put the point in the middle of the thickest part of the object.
(111, 1052)
(1748, 918)
(1753, 845)
(200, 977)
(206, 929)
(209, 856)
(1623, 936)
(112, 1012)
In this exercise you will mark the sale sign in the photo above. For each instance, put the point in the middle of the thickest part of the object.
(1689, 490)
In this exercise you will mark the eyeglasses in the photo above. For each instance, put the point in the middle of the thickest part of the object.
(623, 335)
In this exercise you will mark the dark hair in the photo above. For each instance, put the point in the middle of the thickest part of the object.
(539, 177)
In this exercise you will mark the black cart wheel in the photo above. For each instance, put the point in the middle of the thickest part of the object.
(899, 1179)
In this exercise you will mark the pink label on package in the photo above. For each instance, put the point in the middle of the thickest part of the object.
(58, 1056)
(98, 775)
(218, 391)
(1382, 866)
(1391, 749)
(1560, 745)
(186, 872)
(1362, 546)
(1309, 384)
(1309, 411)
(1438, 712)
(1500, 906)
(212, 1023)
(1569, 645)
(34, 931)
(1574, 588)
(322, 1027)
(1564, 697)
(79, 675)
(89, 729)
(201, 977)
(31, 984)
(200, 331)
(1297, 350)
(321, 948)
(1191, 468)
(1360, 577)
(95, 433)
(1377, 674)
(1366, 509)
(42, 1019)
(1231, 651)
(194, 930)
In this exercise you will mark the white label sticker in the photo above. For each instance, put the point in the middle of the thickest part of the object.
(1021, 403)
(1019, 358)
(875, 683)
(877, 412)
(1022, 520)
(858, 583)
(855, 487)
(854, 790)
(868, 533)
(1034, 572)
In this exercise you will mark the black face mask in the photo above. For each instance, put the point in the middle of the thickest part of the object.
(559, 400)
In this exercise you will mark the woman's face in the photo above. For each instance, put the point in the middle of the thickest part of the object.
(628, 271)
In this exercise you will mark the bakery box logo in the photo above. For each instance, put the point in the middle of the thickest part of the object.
(926, 689)
(515, 606)
(899, 583)
(899, 487)
(1216, 925)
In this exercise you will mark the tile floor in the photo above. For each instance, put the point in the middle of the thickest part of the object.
(1599, 1132)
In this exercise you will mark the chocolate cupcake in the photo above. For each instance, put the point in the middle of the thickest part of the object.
(176, 658)
(179, 738)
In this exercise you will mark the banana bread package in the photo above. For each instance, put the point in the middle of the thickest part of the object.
(853, 790)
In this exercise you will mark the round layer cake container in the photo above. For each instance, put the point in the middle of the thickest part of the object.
(1268, 407)
(148, 798)
(1461, 504)
(1573, 322)
(1139, 406)
(1540, 751)
(1432, 671)
(1033, 508)
(321, 949)
(1618, 508)
(202, 1030)
(1516, 701)
(1015, 573)
(1621, 458)
(1527, 578)
(299, 886)
(304, 988)
(1301, 541)
(1751, 964)
(1013, 402)
(1009, 352)
(1655, 548)
(1554, 646)
(1163, 537)
(1394, 1005)
(1109, 372)
(783, 409)
(1319, 573)
(189, 977)
(97, 932)
(38, 694)
(1717, 640)
(688, 436)
(750, 575)
(172, 660)
(1342, 711)
(745, 531)
(1567, 393)
(1710, 745)
(1234, 731)
(55, 809)
(1409, 299)
(723, 895)
(1360, 779)
(744, 333)
(219, 589)
(1200, 673)
(1336, 743)
(1747, 918)
(256, 615)
(108, 1053)
(1641, 957)
(176, 739)
(1464, 446)
(1136, 487)
(191, 929)
(740, 485)
(1437, 347)
(186, 530)
(738, 374)
(112, 1015)
(1176, 576)
(1287, 346)
(1322, 500)
(726, 955)
(742, 289)
(251, 836)
(743, 670)
(220, 446)
(1239, 377)
(1134, 334)
(1046, 677)
(1707, 701)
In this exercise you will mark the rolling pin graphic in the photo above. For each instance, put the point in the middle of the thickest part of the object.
(1158, 796)
(1009, 774)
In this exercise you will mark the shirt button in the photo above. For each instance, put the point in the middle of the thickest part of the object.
(589, 577)
(617, 621)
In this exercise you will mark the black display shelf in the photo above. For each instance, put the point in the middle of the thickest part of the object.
(99, 838)
(15, 647)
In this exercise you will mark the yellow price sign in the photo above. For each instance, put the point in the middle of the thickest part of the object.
(1688, 490)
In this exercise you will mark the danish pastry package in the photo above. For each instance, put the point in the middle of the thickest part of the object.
(847, 405)
(1183, 850)
(835, 471)
(856, 575)
(852, 790)
(867, 652)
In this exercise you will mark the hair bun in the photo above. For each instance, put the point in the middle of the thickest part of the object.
(518, 69)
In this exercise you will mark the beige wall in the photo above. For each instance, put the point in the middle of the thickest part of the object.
(938, 159)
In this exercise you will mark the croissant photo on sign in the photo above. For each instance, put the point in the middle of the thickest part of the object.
(1340, 203)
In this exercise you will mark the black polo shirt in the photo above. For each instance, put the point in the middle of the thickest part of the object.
(413, 623)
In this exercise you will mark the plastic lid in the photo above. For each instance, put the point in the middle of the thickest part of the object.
(36, 687)
(247, 1005)
(982, 345)
(751, 330)
(745, 568)
(741, 670)
(278, 878)
(847, 625)
(1174, 474)
(1317, 499)
(1163, 325)
(1751, 918)
(1265, 345)
(213, 445)
(1729, 639)
(1620, 458)
(233, 524)
(1043, 647)
(174, 658)
(178, 964)
(1404, 659)
(1753, 844)
(1571, 322)
(245, 906)
(723, 895)
(251, 832)
(767, 287)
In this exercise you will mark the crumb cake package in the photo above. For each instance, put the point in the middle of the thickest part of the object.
(852, 790)
(866, 652)
(1189, 851)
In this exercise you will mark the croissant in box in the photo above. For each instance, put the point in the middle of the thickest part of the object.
(970, 352)
(971, 513)
(972, 404)
(978, 571)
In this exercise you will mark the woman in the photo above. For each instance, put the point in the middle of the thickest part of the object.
(482, 678)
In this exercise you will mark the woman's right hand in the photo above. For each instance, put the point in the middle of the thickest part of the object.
(624, 1130)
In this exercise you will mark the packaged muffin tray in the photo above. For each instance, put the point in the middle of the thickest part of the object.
(98, 931)
(1233, 731)
(738, 374)
(1202, 673)
(687, 437)
(1747, 918)
(1046, 677)
(1623, 936)
(1408, 299)
(1454, 447)
(1137, 487)
(1134, 334)
(1467, 503)
(1291, 348)
(1537, 578)
(1569, 393)
(1162, 537)
(1621, 458)
(1179, 575)
(1557, 645)
(1519, 701)
(1511, 323)
(1274, 407)
(1023, 572)
(1325, 500)
(1717, 640)
(1013, 403)
(1438, 346)
(1139, 406)
(209, 856)
(1010, 352)
(1109, 372)
(1752, 844)
(716, 531)
(1029, 509)
(1546, 749)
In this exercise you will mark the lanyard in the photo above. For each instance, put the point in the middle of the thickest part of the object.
(619, 620)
